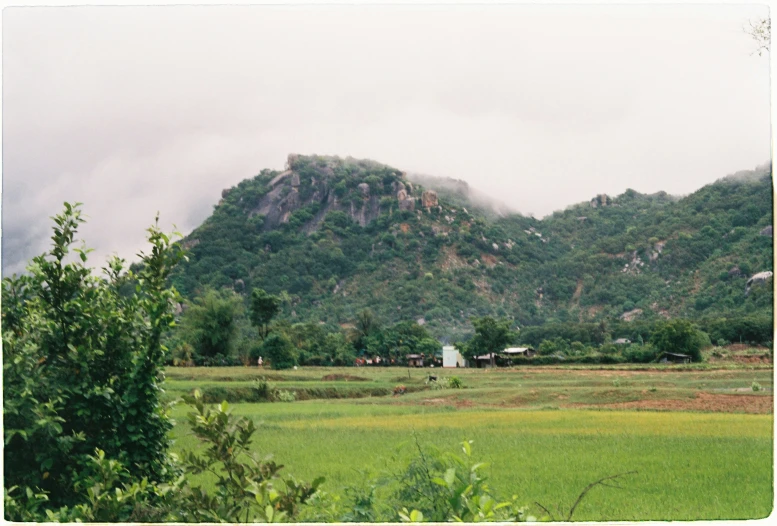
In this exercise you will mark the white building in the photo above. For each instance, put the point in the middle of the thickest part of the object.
(451, 357)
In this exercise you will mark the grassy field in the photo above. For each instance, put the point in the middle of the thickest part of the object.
(546, 432)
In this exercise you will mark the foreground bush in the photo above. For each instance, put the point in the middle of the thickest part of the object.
(82, 358)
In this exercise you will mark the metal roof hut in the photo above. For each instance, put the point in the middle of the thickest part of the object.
(415, 360)
(519, 351)
(675, 358)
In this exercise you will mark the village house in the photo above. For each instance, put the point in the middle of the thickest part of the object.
(485, 361)
(519, 351)
(415, 360)
(675, 358)
(451, 357)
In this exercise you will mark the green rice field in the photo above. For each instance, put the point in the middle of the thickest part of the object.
(546, 432)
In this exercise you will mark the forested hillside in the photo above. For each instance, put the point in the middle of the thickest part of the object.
(339, 235)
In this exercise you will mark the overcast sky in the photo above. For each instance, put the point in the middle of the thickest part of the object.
(136, 110)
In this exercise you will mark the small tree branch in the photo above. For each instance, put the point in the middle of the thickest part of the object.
(552, 517)
(591, 486)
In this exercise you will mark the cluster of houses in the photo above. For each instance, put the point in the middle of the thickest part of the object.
(449, 357)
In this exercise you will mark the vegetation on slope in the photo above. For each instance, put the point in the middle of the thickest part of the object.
(338, 234)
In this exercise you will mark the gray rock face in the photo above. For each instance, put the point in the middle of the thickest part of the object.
(757, 279)
(734, 272)
(407, 204)
(291, 160)
(600, 200)
(767, 231)
(291, 190)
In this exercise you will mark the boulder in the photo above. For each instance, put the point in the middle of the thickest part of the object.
(402, 195)
(734, 272)
(291, 160)
(767, 231)
(407, 204)
(429, 199)
(757, 279)
(364, 188)
(630, 315)
(294, 180)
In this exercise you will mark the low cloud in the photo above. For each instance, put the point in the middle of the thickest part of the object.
(137, 110)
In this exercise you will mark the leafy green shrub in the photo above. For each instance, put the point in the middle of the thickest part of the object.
(454, 382)
(756, 386)
(439, 487)
(640, 354)
(279, 351)
(82, 368)
(247, 488)
(286, 396)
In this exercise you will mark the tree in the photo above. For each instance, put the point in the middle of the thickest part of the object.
(264, 307)
(679, 336)
(761, 32)
(209, 323)
(82, 366)
(278, 349)
(366, 324)
(491, 336)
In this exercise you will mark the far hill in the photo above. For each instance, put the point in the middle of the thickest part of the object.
(340, 234)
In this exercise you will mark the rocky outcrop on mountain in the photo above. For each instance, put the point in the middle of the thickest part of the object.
(757, 279)
(600, 200)
(630, 315)
(408, 203)
(767, 231)
(429, 199)
(329, 184)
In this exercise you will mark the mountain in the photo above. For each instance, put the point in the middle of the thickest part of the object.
(339, 235)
